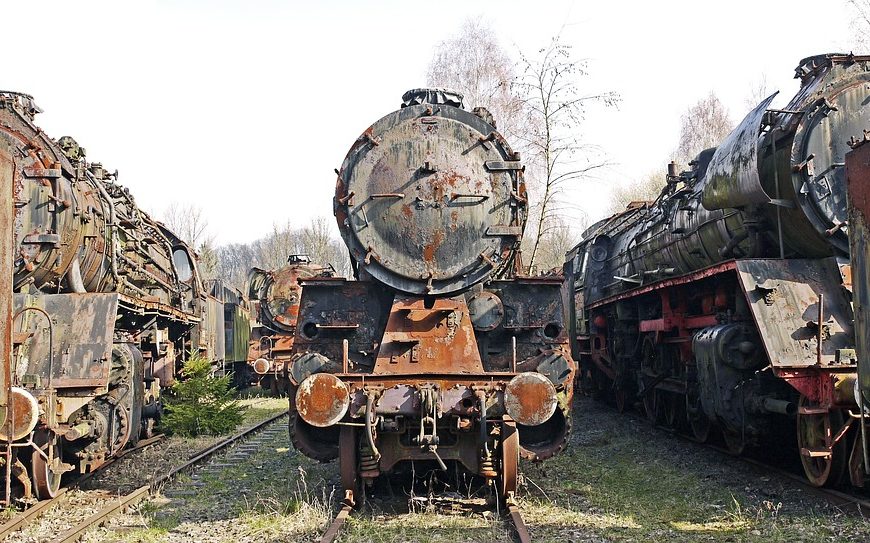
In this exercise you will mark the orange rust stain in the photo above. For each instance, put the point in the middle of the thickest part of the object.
(429, 248)
(406, 211)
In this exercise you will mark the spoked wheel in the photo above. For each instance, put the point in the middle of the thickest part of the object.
(510, 456)
(47, 472)
(347, 461)
(674, 409)
(824, 462)
(651, 404)
(649, 363)
(123, 429)
(698, 421)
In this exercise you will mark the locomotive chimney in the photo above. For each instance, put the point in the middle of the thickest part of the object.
(672, 169)
(415, 97)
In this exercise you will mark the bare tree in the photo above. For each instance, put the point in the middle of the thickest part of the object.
(558, 240)
(234, 261)
(758, 91)
(187, 222)
(319, 244)
(860, 24)
(703, 125)
(556, 107)
(473, 62)
(646, 189)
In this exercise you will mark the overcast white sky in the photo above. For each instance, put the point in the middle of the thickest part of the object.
(244, 108)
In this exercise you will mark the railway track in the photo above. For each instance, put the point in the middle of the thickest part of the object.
(511, 512)
(115, 506)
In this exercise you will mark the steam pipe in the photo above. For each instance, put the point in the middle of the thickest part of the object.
(782, 407)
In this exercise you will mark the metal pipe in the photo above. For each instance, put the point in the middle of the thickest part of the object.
(74, 278)
(783, 407)
(50, 337)
(778, 211)
(819, 330)
(483, 435)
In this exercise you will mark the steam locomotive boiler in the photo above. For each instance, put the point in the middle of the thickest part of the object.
(275, 296)
(441, 352)
(727, 301)
(105, 299)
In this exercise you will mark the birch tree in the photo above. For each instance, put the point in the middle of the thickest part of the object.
(556, 107)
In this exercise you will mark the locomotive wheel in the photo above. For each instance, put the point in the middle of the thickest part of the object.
(649, 362)
(46, 481)
(347, 461)
(510, 455)
(698, 421)
(824, 463)
(674, 410)
(652, 405)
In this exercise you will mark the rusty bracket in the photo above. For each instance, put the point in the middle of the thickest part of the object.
(345, 200)
(368, 137)
(397, 195)
(806, 164)
(502, 165)
(457, 195)
(45, 173)
(483, 139)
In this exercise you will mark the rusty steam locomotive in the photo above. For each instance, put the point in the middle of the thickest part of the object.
(105, 302)
(440, 352)
(728, 301)
(275, 296)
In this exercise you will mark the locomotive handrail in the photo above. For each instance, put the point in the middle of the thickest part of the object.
(50, 339)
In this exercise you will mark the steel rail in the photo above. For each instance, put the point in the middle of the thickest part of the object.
(336, 525)
(513, 510)
(520, 529)
(32, 513)
(125, 502)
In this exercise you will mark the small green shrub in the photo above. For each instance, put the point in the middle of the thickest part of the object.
(200, 403)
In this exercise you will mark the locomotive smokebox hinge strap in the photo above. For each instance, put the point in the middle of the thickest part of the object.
(42, 173)
(504, 230)
(502, 165)
(39, 239)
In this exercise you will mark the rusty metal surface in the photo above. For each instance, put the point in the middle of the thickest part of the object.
(530, 399)
(784, 301)
(732, 175)
(84, 328)
(431, 205)
(858, 176)
(430, 200)
(322, 400)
